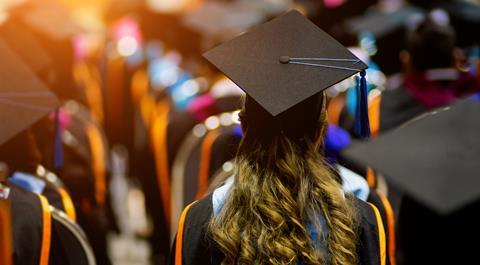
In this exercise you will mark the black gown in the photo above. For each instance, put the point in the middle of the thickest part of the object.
(193, 244)
(38, 237)
(27, 226)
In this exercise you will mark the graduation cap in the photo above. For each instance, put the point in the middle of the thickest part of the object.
(30, 50)
(286, 61)
(433, 158)
(381, 23)
(218, 19)
(24, 99)
(48, 18)
(25, 45)
(389, 30)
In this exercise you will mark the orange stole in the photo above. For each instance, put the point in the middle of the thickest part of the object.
(335, 109)
(205, 158)
(90, 79)
(98, 163)
(381, 235)
(46, 230)
(391, 244)
(6, 249)
(68, 204)
(374, 114)
(160, 149)
(179, 240)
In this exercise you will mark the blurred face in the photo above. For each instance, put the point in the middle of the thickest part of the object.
(459, 61)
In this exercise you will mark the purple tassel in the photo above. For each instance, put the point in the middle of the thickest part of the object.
(476, 96)
(58, 160)
(362, 124)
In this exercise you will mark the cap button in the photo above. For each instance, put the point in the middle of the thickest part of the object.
(284, 59)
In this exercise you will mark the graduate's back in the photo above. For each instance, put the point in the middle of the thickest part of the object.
(284, 205)
(194, 243)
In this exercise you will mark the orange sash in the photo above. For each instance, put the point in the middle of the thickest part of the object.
(160, 148)
(68, 204)
(381, 235)
(5, 233)
(205, 158)
(179, 240)
(392, 248)
(46, 230)
(98, 163)
(374, 114)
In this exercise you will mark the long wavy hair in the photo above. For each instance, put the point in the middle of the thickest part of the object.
(282, 184)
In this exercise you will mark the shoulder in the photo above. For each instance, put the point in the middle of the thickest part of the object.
(367, 215)
(354, 183)
(200, 211)
(193, 244)
(396, 107)
(396, 98)
(25, 203)
(371, 247)
(27, 220)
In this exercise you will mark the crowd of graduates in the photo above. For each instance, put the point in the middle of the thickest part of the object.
(101, 97)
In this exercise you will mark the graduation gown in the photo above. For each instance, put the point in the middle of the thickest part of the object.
(397, 107)
(154, 167)
(358, 186)
(40, 238)
(388, 218)
(28, 220)
(193, 245)
(206, 158)
(57, 196)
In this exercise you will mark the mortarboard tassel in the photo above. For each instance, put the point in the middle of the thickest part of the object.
(362, 124)
(58, 145)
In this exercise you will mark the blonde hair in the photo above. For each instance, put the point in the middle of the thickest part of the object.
(281, 184)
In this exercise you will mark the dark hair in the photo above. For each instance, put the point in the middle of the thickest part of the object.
(300, 121)
(431, 45)
(21, 153)
(281, 182)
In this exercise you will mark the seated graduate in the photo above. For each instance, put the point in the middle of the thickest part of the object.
(48, 52)
(40, 233)
(284, 205)
(434, 160)
(434, 74)
(23, 101)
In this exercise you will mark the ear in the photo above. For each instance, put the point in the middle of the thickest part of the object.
(459, 59)
(406, 61)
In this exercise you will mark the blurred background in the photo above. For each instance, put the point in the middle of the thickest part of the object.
(148, 125)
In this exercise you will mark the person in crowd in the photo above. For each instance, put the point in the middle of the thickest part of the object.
(284, 205)
(434, 74)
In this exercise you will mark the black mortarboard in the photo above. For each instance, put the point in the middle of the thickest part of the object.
(464, 17)
(24, 99)
(219, 19)
(381, 23)
(389, 29)
(25, 45)
(284, 61)
(434, 159)
(50, 19)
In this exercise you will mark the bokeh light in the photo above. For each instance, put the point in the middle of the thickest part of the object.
(127, 46)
